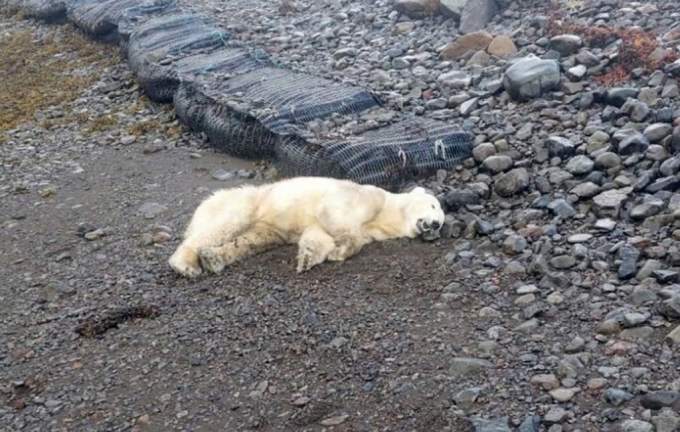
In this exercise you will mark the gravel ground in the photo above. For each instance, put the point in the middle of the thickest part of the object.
(551, 304)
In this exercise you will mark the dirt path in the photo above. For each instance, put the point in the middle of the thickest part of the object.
(359, 344)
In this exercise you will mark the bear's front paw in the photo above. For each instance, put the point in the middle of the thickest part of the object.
(305, 259)
(185, 262)
(212, 259)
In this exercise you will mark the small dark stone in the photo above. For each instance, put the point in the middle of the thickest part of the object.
(560, 147)
(634, 143)
(666, 276)
(618, 96)
(530, 424)
(483, 227)
(490, 425)
(675, 139)
(664, 115)
(671, 184)
(670, 308)
(659, 399)
(458, 199)
(534, 309)
(616, 397)
(629, 258)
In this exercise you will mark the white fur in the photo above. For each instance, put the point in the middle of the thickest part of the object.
(329, 219)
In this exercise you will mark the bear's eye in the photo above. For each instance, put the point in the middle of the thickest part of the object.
(432, 206)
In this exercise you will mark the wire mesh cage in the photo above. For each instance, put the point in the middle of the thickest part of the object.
(99, 18)
(133, 17)
(157, 44)
(46, 10)
(390, 156)
(266, 102)
(284, 101)
(43, 10)
(238, 134)
(199, 70)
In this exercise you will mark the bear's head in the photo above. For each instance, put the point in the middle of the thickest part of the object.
(424, 214)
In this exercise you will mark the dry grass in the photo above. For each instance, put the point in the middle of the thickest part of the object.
(101, 124)
(143, 127)
(38, 74)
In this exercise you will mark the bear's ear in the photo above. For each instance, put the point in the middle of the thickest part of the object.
(418, 190)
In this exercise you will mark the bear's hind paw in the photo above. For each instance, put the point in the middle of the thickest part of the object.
(184, 266)
(211, 259)
(305, 260)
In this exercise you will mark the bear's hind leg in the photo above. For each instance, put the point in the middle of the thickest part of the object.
(346, 245)
(313, 247)
(255, 240)
(216, 221)
(187, 261)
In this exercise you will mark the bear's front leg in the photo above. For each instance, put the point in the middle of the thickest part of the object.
(313, 247)
(255, 240)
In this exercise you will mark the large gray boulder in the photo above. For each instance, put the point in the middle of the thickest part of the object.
(531, 78)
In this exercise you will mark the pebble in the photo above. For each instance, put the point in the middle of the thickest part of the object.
(636, 426)
(334, 421)
(579, 238)
(616, 397)
(490, 425)
(152, 210)
(659, 399)
(563, 394)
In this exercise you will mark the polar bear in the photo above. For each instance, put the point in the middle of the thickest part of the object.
(329, 219)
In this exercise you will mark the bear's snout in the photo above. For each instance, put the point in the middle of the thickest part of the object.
(424, 225)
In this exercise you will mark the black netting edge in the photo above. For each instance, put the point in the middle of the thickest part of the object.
(238, 134)
(191, 106)
(390, 156)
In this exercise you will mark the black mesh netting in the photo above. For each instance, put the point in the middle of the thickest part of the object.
(133, 17)
(12, 6)
(246, 114)
(190, 103)
(46, 10)
(237, 134)
(99, 18)
(390, 156)
(284, 101)
(155, 47)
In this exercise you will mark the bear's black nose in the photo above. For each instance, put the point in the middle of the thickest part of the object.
(435, 225)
